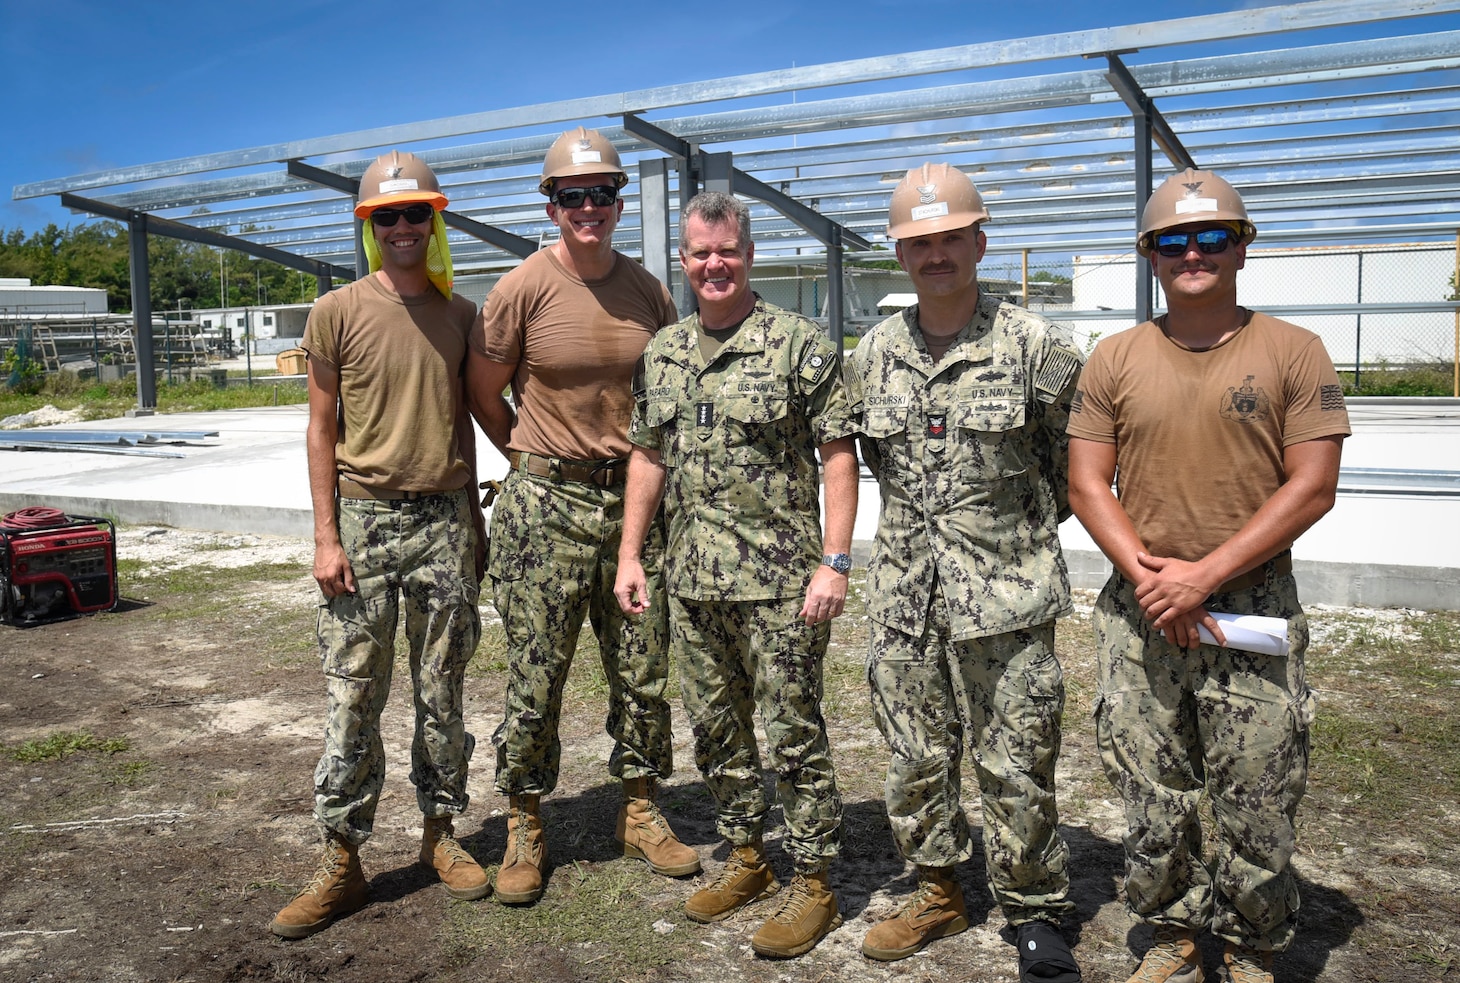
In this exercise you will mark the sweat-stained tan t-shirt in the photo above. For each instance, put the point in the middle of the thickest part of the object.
(575, 344)
(1200, 436)
(400, 362)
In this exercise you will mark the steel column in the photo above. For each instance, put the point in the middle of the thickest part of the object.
(834, 289)
(141, 275)
(654, 217)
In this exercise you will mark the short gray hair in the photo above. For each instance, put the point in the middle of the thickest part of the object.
(712, 208)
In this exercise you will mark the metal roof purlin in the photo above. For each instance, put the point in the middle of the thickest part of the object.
(1206, 27)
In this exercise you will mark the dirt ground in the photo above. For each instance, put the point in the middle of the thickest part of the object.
(160, 850)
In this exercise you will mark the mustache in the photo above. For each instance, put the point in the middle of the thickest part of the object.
(937, 268)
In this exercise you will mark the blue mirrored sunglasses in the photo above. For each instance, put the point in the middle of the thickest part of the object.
(1209, 241)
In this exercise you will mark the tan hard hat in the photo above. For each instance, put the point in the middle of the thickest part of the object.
(398, 177)
(933, 198)
(1189, 197)
(581, 151)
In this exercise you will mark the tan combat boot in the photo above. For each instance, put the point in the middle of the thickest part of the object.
(935, 911)
(1243, 965)
(338, 888)
(462, 875)
(1172, 958)
(806, 914)
(645, 834)
(746, 877)
(519, 881)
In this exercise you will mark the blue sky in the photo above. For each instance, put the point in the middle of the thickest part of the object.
(102, 83)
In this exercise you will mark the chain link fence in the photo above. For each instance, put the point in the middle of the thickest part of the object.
(1376, 307)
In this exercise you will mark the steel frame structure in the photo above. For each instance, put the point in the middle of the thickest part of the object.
(1342, 132)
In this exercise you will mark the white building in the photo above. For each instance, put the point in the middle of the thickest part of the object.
(19, 298)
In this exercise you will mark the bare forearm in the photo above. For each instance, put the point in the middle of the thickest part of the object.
(1105, 519)
(642, 494)
(839, 485)
(495, 416)
(323, 481)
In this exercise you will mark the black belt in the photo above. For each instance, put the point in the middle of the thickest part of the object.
(604, 474)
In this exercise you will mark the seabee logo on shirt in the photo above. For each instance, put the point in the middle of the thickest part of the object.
(1245, 403)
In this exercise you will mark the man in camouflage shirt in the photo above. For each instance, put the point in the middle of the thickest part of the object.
(736, 402)
(965, 401)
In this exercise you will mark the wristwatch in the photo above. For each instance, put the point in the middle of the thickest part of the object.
(840, 562)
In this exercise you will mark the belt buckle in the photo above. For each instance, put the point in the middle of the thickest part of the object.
(608, 470)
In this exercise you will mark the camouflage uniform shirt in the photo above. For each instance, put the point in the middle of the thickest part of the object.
(970, 455)
(738, 439)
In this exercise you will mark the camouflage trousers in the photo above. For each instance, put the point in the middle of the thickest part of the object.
(1174, 724)
(421, 552)
(739, 656)
(553, 560)
(1005, 695)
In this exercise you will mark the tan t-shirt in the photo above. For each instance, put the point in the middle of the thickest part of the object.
(575, 344)
(1200, 435)
(400, 364)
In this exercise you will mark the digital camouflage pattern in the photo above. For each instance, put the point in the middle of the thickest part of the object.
(735, 657)
(553, 560)
(971, 458)
(738, 439)
(1172, 723)
(1005, 695)
(421, 553)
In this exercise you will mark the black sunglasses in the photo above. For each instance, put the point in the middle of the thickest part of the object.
(414, 214)
(1209, 241)
(602, 196)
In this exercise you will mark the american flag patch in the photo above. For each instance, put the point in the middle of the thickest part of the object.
(1059, 365)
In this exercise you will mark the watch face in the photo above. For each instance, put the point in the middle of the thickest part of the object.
(840, 562)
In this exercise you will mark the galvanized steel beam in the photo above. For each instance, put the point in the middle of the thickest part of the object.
(1207, 27)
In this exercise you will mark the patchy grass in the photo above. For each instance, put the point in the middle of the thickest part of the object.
(608, 921)
(56, 746)
(104, 401)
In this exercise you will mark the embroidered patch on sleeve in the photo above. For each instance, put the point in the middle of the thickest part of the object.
(1077, 405)
(1330, 398)
(1059, 365)
(816, 365)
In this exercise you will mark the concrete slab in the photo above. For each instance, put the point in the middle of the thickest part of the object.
(1372, 550)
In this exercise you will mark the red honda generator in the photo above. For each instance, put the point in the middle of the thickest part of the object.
(55, 566)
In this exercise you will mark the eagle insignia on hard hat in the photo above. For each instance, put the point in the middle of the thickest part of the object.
(585, 145)
(927, 194)
(391, 173)
(1193, 190)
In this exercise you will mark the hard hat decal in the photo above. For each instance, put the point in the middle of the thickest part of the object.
(934, 210)
(399, 184)
(587, 157)
(927, 193)
(1186, 206)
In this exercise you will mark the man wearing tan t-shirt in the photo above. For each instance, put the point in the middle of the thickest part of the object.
(1225, 428)
(565, 330)
(392, 464)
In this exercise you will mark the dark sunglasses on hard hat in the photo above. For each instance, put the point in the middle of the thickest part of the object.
(414, 214)
(602, 196)
(1209, 241)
